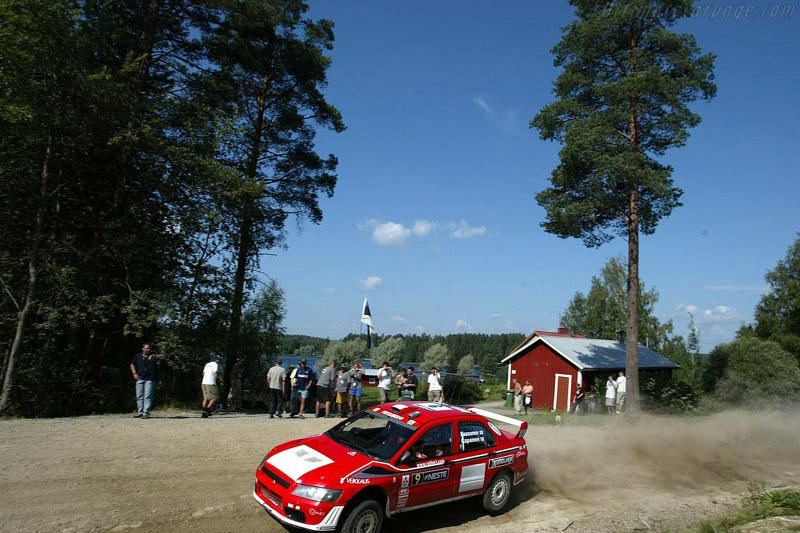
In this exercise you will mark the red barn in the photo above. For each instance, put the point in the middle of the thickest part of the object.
(557, 362)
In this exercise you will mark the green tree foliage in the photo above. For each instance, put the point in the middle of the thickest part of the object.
(603, 311)
(343, 352)
(391, 350)
(436, 356)
(622, 101)
(778, 313)
(271, 68)
(466, 365)
(125, 180)
(753, 371)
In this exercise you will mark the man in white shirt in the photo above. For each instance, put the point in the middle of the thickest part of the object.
(385, 382)
(212, 373)
(434, 386)
(620, 391)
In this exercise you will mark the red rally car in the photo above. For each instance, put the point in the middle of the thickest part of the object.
(388, 459)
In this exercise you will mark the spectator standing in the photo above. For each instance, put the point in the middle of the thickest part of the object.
(275, 379)
(144, 368)
(611, 394)
(356, 387)
(591, 398)
(577, 406)
(527, 396)
(400, 382)
(434, 386)
(411, 384)
(621, 382)
(288, 394)
(342, 384)
(212, 375)
(302, 383)
(385, 382)
(325, 383)
(517, 397)
(235, 394)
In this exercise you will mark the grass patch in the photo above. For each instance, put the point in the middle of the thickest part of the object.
(759, 504)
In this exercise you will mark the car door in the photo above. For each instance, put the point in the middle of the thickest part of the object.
(427, 471)
(470, 468)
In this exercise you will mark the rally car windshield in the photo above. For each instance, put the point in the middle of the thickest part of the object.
(372, 434)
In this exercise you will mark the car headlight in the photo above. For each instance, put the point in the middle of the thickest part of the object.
(318, 494)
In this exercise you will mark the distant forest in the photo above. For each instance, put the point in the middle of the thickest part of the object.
(487, 350)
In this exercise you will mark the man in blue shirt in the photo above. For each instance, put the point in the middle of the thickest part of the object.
(301, 382)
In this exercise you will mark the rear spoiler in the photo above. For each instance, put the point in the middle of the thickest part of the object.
(521, 426)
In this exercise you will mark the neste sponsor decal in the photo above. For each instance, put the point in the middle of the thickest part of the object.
(430, 477)
(500, 461)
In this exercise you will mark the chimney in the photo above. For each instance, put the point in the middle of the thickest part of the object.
(562, 330)
(620, 335)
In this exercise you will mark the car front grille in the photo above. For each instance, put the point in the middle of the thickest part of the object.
(275, 477)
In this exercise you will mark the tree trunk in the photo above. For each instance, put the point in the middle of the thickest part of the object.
(632, 327)
(33, 272)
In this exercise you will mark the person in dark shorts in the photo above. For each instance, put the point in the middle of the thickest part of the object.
(325, 384)
(301, 382)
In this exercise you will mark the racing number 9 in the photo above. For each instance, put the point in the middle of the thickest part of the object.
(417, 479)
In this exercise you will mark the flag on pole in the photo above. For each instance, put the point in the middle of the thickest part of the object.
(366, 316)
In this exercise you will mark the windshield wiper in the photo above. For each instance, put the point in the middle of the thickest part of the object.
(357, 447)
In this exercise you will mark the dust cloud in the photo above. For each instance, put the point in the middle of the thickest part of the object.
(647, 452)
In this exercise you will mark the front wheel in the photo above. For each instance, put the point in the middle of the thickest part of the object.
(497, 493)
(366, 517)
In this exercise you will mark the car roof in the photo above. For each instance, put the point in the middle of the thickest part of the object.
(421, 413)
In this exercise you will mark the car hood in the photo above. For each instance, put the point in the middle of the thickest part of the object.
(316, 461)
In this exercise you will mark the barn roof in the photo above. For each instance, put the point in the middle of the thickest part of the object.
(591, 354)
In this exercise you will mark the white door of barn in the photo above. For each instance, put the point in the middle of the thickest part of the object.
(561, 392)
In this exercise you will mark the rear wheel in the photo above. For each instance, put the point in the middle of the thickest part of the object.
(366, 517)
(497, 493)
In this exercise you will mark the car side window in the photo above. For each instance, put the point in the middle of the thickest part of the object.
(436, 442)
(474, 436)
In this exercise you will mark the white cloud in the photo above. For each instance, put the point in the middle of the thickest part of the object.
(370, 284)
(737, 288)
(398, 320)
(391, 234)
(505, 120)
(716, 323)
(462, 230)
(463, 324)
(398, 234)
(693, 309)
(328, 292)
(422, 228)
(484, 105)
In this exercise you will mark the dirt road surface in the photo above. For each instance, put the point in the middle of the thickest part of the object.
(179, 473)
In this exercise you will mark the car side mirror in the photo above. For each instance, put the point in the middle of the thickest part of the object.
(407, 458)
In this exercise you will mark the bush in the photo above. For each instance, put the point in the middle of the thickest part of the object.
(757, 371)
(462, 392)
(667, 394)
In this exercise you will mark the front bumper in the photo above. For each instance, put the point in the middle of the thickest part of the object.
(328, 523)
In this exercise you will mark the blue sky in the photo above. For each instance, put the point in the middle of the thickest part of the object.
(434, 218)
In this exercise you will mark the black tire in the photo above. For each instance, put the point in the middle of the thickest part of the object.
(497, 493)
(366, 517)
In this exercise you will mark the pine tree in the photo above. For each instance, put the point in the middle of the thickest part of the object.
(622, 101)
